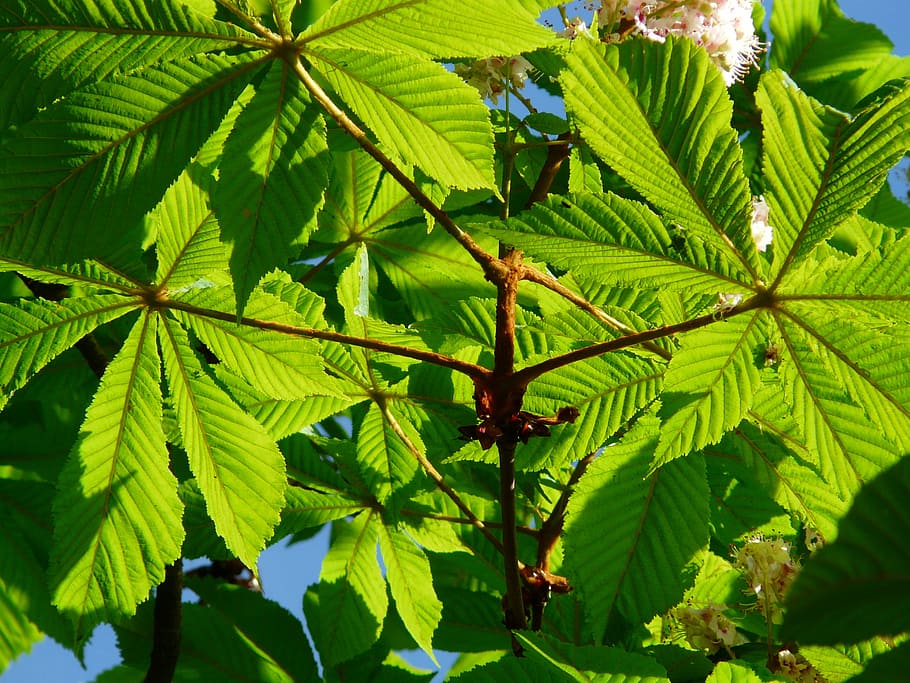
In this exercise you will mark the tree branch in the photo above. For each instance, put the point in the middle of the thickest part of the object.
(533, 275)
(469, 369)
(551, 529)
(526, 375)
(168, 623)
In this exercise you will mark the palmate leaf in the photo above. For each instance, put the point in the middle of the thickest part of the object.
(105, 155)
(607, 239)
(277, 365)
(674, 144)
(841, 163)
(117, 514)
(232, 457)
(447, 135)
(50, 49)
(188, 243)
(411, 584)
(710, 384)
(839, 663)
(862, 579)
(33, 333)
(271, 178)
(347, 607)
(307, 508)
(428, 28)
(640, 561)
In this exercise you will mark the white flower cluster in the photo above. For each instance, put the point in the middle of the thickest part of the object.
(490, 76)
(708, 628)
(768, 570)
(762, 232)
(723, 27)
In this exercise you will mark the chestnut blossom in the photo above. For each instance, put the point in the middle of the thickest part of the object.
(762, 232)
(575, 28)
(768, 570)
(489, 76)
(795, 667)
(707, 628)
(723, 28)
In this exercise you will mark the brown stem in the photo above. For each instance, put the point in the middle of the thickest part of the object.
(551, 529)
(485, 260)
(533, 275)
(556, 154)
(469, 369)
(506, 403)
(168, 622)
(526, 375)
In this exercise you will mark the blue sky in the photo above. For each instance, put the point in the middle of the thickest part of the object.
(286, 571)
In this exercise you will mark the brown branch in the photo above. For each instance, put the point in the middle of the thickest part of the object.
(536, 276)
(168, 623)
(551, 529)
(487, 262)
(506, 402)
(469, 369)
(556, 154)
(526, 375)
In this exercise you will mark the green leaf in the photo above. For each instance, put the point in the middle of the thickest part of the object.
(827, 53)
(188, 244)
(607, 664)
(280, 366)
(33, 333)
(428, 28)
(448, 136)
(859, 586)
(265, 625)
(105, 155)
(825, 385)
(271, 178)
(841, 163)
(117, 513)
(607, 391)
(887, 667)
(280, 418)
(838, 663)
(607, 239)
(710, 384)
(213, 648)
(386, 464)
(734, 672)
(641, 562)
(50, 49)
(411, 583)
(307, 508)
(232, 457)
(673, 144)
(346, 610)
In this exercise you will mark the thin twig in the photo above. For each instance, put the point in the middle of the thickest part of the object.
(438, 479)
(487, 262)
(544, 280)
(551, 529)
(526, 375)
(469, 369)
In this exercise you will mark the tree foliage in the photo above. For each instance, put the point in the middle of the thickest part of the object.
(272, 266)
